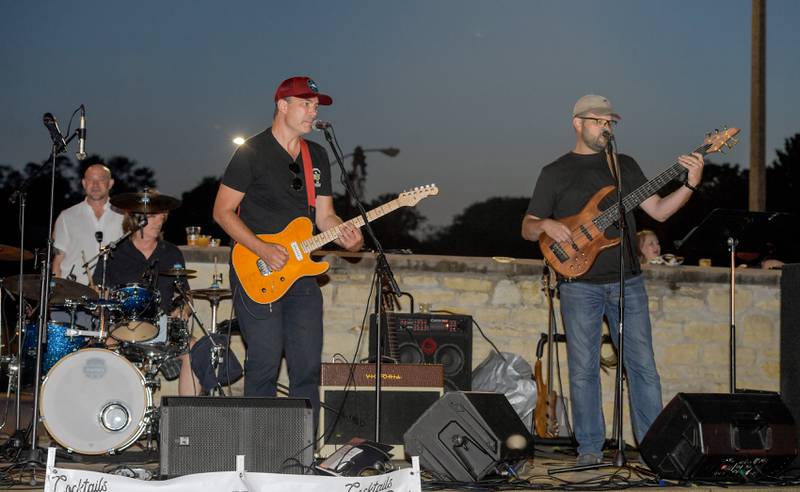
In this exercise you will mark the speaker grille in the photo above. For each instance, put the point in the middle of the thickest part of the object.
(424, 338)
(204, 434)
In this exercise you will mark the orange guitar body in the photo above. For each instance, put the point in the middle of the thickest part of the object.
(587, 240)
(267, 286)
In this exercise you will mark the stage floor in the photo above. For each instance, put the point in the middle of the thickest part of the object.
(136, 461)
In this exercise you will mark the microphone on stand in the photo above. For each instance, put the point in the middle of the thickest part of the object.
(320, 125)
(55, 133)
(98, 236)
(81, 153)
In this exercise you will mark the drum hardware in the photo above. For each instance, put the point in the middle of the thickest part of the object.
(213, 295)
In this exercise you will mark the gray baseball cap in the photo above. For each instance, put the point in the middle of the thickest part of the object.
(592, 103)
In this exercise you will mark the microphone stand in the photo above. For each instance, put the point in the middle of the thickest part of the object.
(619, 456)
(382, 271)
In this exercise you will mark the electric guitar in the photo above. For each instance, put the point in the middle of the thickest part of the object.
(575, 257)
(264, 285)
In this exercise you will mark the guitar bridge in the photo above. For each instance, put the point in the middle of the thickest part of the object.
(263, 268)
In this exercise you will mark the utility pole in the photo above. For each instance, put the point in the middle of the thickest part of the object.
(758, 170)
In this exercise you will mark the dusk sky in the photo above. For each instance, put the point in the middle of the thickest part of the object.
(477, 95)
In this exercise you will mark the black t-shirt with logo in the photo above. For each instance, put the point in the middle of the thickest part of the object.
(566, 185)
(260, 169)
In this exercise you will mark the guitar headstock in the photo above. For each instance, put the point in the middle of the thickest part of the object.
(719, 140)
(413, 196)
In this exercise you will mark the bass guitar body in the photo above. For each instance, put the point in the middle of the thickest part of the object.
(574, 258)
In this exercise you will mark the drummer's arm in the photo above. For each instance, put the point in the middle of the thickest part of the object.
(58, 259)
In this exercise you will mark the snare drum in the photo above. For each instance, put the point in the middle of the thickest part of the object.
(94, 401)
(172, 341)
(137, 317)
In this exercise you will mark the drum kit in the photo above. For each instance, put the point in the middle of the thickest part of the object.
(100, 364)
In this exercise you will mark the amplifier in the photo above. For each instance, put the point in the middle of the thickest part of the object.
(427, 338)
(348, 391)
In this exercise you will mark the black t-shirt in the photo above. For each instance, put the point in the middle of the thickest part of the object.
(260, 169)
(566, 185)
(128, 266)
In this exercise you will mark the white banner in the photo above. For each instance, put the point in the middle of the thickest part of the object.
(69, 480)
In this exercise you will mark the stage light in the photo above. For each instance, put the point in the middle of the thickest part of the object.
(238, 140)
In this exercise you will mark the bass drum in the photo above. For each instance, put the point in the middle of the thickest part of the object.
(94, 401)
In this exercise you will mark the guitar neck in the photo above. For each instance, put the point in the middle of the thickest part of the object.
(642, 193)
(316, 242)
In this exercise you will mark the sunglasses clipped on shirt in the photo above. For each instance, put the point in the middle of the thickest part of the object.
(297, 183)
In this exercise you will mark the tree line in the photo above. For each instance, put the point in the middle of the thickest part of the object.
(487, 228)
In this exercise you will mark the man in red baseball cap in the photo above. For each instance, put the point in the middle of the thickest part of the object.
(273, 178)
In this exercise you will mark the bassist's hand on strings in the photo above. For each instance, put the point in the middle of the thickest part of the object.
(275, 255)
(694, 164)
(556, 230)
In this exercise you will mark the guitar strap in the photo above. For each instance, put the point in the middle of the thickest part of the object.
(311, 193)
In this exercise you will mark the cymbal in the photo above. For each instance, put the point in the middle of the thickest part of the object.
(10, 253)
(211, 294)
(61, 289)
(145, 202)
(178, 272)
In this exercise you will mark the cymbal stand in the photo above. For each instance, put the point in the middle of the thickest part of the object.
(216, 349)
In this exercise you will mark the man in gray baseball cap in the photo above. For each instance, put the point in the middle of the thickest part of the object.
(562, 191)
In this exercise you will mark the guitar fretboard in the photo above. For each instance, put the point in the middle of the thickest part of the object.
(316, 242)
(642, 193)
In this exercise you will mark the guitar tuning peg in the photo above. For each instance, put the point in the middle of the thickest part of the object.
(708, 134)
(716, 130)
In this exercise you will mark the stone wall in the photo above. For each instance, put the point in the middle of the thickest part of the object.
(689, 309)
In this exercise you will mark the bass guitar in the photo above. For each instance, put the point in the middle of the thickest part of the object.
(264, 285)
(575, 257)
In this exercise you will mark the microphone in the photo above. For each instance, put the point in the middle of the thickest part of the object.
(321, 125)
(81, 153)
(609, 136)
(55, 134)
(98, 236)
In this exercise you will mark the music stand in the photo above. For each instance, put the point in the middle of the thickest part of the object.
(728, 228)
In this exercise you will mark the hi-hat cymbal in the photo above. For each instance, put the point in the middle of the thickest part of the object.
(10, 253)
(145, 202)
(61, 289)
(178, 272)
(211, 294)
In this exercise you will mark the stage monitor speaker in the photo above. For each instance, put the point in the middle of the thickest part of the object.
(204, 434)
(407, 390)
(466, 436)
(739, 437)
(790, 342)
(425, 338)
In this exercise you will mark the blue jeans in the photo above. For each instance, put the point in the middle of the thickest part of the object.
(583, 306)
(291, 325)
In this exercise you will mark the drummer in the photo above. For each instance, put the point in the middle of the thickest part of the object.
(138, 260)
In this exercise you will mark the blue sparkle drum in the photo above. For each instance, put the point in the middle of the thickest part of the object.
(136, 319)
(56, 346)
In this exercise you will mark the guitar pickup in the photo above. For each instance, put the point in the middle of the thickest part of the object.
(559, 252)
(585, 232)
(263, 268)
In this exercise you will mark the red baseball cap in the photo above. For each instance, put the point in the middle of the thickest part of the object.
(301, 87)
